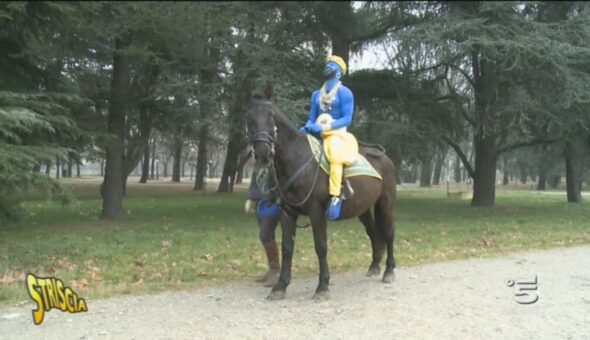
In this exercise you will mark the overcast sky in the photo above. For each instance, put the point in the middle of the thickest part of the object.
(372, 58)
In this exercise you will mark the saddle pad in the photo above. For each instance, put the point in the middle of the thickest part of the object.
(360, 167)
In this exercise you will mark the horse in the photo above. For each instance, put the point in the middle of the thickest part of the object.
(303, 188)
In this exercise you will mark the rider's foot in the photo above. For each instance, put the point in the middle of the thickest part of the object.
(333, 212)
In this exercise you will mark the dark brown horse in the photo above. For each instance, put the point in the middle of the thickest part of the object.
(303, 187)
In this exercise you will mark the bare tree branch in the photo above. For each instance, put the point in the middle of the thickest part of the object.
(462, 111)
(521, 144)
(463, 73)
(461, 155)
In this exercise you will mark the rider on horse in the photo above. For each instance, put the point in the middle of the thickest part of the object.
(331, 112)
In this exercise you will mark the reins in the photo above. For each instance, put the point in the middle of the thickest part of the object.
(267, 138)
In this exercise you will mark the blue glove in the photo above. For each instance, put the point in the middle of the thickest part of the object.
(305, 128)
(315, 128)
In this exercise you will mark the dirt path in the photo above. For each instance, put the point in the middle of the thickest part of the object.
(460, 299)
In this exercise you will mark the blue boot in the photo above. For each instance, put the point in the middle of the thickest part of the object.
(267, 208)
(333, 212)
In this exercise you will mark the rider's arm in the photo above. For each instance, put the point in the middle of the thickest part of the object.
(347, 104)
(315, 108)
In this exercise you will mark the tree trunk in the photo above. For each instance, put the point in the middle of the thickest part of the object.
(337, 17)
(457, 169)
(37, 168)
(57, 164)
(554, 181)
(202, 153)
(124, 184)
(207, 100)
(112, 186)
(242, 160)
(165, 173)
(47, 167)
(414, 173)
(505, 172)
(485, 150)
(176, 161)
(236, 122)
(484, 181)
(153, 165)
(70, 167)
(229, 168)
(573, 170)
(212, 168)
(145, 166)
(240, 175)
(182, 168)
(541, 184)
(426, 172)
(532, 175)
(341, 47)
(78, 170)
(101, 168)
(438, 165)
(138, 142)
(523, 172)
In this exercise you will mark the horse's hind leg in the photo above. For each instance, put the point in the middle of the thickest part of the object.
(288, 224)
(385, 227)
(376, 243)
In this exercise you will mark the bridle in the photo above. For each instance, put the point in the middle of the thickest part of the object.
(269, 139)
(264, 137)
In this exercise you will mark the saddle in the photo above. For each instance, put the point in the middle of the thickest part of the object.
(375, 150)
(360, 167)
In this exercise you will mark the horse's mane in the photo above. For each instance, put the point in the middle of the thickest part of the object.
(281, 117)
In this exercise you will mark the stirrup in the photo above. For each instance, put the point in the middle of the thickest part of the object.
(333, 212)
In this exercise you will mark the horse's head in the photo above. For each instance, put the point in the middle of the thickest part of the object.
(261, 125)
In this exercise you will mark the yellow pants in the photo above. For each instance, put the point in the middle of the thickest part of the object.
(341, 149)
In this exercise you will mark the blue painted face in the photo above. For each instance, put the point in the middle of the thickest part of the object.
(332, 70)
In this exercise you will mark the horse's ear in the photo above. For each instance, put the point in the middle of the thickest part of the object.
(268, 90)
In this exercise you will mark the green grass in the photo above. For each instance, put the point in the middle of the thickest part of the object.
(174, 238)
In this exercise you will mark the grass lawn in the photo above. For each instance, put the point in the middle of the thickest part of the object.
(174, 238)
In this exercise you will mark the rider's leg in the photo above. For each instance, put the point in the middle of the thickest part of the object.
(335, 179)
(267, 238)
(334, 151)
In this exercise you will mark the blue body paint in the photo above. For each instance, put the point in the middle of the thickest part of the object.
(341, 110)
(342, 106)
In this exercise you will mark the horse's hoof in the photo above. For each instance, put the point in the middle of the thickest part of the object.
(373, 271)
(388, 277)
(278, 295)
(321, 296)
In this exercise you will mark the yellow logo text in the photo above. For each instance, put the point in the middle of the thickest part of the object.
(50, 292)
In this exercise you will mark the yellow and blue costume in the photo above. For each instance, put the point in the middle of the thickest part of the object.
(331, 112)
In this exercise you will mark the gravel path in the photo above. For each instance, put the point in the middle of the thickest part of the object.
(460, 299)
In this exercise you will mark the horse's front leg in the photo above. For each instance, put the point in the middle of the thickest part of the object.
(320, 239)
(288, 225)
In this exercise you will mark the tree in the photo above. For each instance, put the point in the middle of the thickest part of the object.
(35, 119)
(504, 53)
